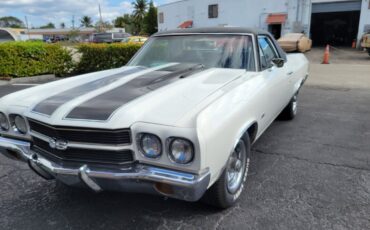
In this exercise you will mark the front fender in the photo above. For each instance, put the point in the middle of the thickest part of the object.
(218, 131)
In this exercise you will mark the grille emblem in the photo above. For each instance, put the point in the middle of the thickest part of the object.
(58, 144)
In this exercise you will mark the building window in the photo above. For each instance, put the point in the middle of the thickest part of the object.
(213, 11)
(161, 18)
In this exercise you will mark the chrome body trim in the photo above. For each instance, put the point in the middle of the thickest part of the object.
(80, 145)
(80, 129)
(133, 177)
(15, 149)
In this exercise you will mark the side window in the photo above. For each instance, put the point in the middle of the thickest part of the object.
(213, 11)
(263, 61)
(267, 52)
(161, 18)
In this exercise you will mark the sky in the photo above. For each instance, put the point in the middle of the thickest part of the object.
(41, 12)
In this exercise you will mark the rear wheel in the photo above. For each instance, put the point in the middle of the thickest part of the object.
(227, 189)
(290, 111)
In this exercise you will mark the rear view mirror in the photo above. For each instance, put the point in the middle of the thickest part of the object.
(279, 62)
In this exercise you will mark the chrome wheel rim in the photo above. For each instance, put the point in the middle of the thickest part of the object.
(295, 104)
(236, 168)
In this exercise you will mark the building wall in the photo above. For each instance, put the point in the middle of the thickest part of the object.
(364, 19)
(245, 13)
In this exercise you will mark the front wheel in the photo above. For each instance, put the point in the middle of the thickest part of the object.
(290, 111)
(227, 189)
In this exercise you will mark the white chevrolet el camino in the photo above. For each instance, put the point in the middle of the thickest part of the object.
(178, 120)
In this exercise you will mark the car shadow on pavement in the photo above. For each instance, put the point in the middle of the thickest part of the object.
(40, 204)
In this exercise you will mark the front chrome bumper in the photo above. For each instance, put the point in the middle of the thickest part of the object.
(131, 178)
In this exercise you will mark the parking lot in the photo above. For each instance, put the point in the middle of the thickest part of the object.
(311, 173)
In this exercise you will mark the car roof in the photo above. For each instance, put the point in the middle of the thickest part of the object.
(216, 30)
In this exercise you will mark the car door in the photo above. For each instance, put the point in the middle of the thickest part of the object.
(276, 79)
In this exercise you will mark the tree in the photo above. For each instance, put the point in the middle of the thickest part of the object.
(50, 25)
(11, 22)
(62, 25)
(120, 22)
(125, 21)
(86, 21)
(150, 20)
(139, 13)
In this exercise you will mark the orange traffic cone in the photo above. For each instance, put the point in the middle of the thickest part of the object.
(326, 55)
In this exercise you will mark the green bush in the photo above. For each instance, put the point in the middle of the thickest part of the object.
(96, 57)
(22, 59)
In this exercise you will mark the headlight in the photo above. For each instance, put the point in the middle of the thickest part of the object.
(181, 151)
(150, 145)
(20, 124)
(4, 124)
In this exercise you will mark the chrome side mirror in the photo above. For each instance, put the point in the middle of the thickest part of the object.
(279, 62)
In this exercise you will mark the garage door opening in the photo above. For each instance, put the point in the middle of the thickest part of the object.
(335, 22)
(336, 29)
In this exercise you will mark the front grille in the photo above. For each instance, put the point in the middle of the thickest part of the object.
(82, 155)
(85, 135)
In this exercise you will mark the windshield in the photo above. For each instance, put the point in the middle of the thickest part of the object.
(219, 51)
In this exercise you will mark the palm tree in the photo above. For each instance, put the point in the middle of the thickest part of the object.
(139, 13)
(86, 21)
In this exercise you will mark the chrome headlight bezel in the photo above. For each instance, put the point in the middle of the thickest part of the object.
(174, 157)
(144, 139)
(4, 122)
(19, 124)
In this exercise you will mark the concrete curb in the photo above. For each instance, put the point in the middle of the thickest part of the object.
(29, 80)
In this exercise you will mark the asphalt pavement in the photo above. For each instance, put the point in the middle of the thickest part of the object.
(310, 173)
(7, 89)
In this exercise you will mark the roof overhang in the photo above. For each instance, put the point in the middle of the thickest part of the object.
(276, 18)
(81, 31)
(186, 24)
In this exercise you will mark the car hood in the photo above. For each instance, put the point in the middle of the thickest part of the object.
(118, 98)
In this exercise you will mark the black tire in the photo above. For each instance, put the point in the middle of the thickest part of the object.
(219, 195)
(290, 111)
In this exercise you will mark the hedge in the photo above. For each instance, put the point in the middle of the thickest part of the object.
(96, 57)
(22, 59)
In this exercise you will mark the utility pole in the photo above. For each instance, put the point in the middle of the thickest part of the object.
(101, 19)
(73, 22)
(28, 30)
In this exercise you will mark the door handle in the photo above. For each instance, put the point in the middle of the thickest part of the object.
(290, 73)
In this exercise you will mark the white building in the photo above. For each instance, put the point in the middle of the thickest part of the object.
(335, 21)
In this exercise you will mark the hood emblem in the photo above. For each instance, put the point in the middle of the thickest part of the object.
(58, 144)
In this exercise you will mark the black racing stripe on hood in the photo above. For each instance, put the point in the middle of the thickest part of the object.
(51, 104)
(103, 106)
